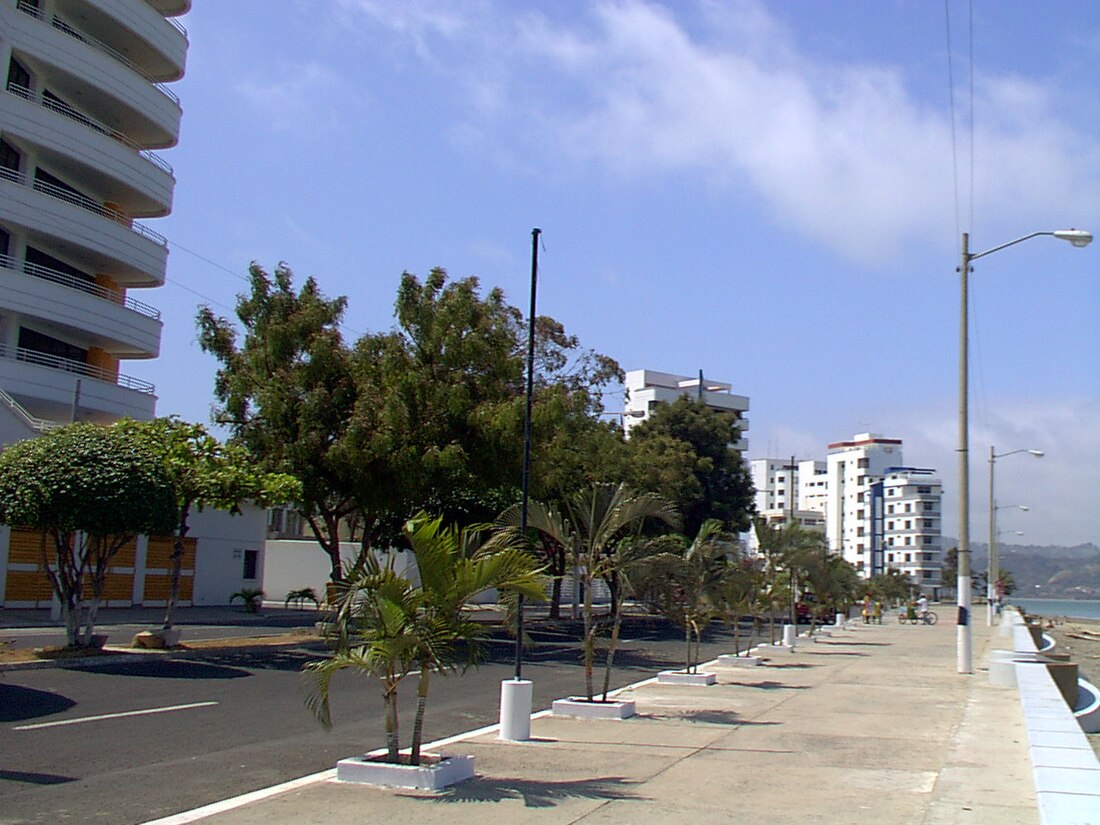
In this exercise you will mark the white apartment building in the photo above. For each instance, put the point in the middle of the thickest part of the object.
(875, 512)
(83, 107)
(645, 389)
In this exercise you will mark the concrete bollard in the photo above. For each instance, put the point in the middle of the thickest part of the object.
(515, 709)
(790, 632)
(840, 620)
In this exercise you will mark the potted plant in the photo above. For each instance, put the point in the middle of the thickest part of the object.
(389, 627)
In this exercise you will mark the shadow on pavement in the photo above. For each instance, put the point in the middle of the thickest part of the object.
(537, 794)
(261, 658)
(169, 669)
(703, 716)
(767, 685)
(20, 703)
(36, 778)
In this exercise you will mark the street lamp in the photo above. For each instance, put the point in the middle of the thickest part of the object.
(1078, 238)
(994, 564)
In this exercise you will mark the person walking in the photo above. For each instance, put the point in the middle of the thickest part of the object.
(866, 612)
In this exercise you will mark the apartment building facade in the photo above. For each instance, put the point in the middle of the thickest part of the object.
(874, 511)
(645, 389)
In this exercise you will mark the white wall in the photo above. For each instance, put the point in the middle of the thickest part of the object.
(294, 564)
(219, 554)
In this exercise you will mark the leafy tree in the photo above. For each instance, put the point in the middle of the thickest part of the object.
(389, 626)
(891, 587)
(90, 490)
(594, 520)
(286, 390)
(683, 452)
(688, 587)
(205, 473)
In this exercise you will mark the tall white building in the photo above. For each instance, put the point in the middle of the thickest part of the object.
(875, 512)
(645, 389)
(84, 105)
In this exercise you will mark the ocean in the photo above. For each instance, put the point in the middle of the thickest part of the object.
(1074, 608)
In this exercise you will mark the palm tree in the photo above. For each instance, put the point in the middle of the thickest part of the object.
(594, 521)
(388, 626)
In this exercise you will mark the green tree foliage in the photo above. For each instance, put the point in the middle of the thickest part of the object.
(89, 490)
(205, 473)
(286, 390)
(388, 626)
(683, 452)
(891, 587)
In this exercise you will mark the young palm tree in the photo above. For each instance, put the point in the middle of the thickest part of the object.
(594, 521)
(388, 626)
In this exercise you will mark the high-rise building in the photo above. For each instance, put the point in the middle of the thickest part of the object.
(645, 389)
(874, 511)
(83, 108)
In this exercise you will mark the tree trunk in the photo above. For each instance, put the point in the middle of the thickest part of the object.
(555, 597)
(687, 645)
(589, 635)
(177, 564)
(389, 696)
(616, 624)
(418, 720)
(328, 537)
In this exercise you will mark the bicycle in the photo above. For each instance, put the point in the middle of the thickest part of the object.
(928, 618)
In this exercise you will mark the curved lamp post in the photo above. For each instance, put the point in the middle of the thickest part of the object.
(1077, 237)
(994, 568)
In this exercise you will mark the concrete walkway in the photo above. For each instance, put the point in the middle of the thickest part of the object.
(868, 726)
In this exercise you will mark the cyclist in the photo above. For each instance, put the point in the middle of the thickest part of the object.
(922, 608)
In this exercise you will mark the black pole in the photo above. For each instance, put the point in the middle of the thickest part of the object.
(525, 482)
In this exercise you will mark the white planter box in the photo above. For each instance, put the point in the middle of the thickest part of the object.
(679, 677)
(448, 770)
(729, 660)
(581, 708)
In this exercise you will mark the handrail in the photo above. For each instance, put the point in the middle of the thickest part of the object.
(99, 45)
(114, 296)
(179, 26)
(84, 202)
(56, 362)
(72, 114)
(35, 423)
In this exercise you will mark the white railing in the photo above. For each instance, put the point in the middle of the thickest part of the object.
(99, 45)
(35, 423)
(84, 120)
(176, 23)
(57, 362)
(114, 296)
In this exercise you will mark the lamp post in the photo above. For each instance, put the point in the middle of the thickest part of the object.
(1077, 237)
(994, 562)
(516, 693)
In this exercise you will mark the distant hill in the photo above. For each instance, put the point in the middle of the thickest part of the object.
(1047, 571)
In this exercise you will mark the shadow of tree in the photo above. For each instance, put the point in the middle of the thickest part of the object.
(168, 669)
(36, 778)
(261, 658)
(767, 685)
(535, 793)
(790, 665)
(837, 653)
(18, 703)
(704, 716)
(856, 644)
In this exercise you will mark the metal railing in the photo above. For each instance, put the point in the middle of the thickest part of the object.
(114, 296)
(84, 202)
(176, 23)
(99, 45)
(56, 362)
(65, 110)
(35, 423)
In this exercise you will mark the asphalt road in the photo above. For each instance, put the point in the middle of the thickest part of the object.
(235, 721)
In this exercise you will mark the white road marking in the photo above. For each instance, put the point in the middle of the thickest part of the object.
(82, 719)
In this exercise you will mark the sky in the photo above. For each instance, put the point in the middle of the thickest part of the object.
(771, 192)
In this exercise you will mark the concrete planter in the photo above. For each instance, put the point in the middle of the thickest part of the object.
(434, 773)
(729, 660)
(580, 708)
(679, 677)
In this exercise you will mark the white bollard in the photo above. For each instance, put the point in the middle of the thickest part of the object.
(515, 709)
(790, 632)
(840, 619)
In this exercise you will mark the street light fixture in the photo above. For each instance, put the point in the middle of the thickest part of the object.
(1077, 237)
(994, 562)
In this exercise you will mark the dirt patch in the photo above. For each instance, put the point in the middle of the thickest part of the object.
(293, 637)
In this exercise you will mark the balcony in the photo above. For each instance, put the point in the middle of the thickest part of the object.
(158, 46)
(89, 150)
(46, 385)
(107, 83)
(116, 322)
(107, 238)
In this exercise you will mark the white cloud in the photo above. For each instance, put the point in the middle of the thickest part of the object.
(844, 153)
(300, 100)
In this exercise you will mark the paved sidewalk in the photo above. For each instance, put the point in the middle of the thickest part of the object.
(871, 725)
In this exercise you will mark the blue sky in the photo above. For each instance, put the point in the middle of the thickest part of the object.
(764, 191)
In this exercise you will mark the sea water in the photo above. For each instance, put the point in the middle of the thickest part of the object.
(1072, 608)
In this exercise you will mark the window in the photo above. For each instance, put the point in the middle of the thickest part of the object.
(908, 540)
(18, 74)
(929, 507)
(859, 531)
(908, 507)
(39, 258)
(5, 242)
(251, 562)
(927, 574)
(9, 157)
(889, 557)
(908, 524)
(927, 539)
(924, 490)
(889, 508)
(908, 557)
(926, 556)
(864, 463)
(859, 497)
(47, 345)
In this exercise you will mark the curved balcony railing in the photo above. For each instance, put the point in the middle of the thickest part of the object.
(98, 45)
(84, 202)
(114, 296)
(91, 123)
(56, 362)
(176, 23)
